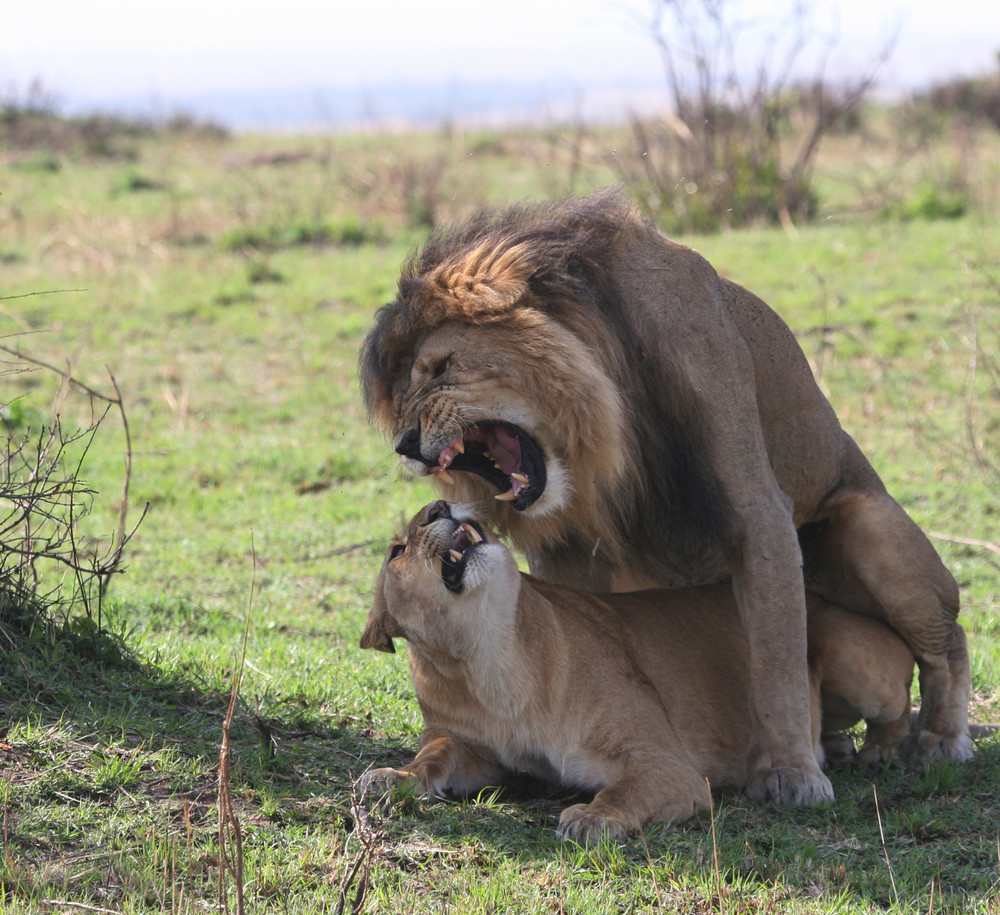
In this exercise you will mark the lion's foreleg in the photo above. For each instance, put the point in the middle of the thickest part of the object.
(782, 767)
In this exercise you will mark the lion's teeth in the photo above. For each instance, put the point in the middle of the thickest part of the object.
(471, 533)
(508, 496)
(458, 445)
(455, 555)
(521, 478)
(443, 475)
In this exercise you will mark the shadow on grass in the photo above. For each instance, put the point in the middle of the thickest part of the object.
(908, 832)
(913, 834)
(86, 683)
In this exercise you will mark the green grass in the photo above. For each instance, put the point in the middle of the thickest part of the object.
(270, 494)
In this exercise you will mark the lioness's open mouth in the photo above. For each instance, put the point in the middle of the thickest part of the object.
(464, 539)
(501, 453)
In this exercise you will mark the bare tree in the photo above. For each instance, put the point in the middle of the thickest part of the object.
(747, 115)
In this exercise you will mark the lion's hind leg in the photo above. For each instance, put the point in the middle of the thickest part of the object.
(868, 555)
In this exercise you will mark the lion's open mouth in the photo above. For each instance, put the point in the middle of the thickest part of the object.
(464, 540)
(501, 453)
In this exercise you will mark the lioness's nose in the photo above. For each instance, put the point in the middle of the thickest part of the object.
(409, 444)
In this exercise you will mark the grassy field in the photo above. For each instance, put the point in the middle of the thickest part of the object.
(226, 285)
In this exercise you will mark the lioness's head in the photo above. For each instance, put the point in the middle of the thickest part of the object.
(492, 379)
(444, 567)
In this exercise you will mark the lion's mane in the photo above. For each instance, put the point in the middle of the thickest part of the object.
(550, 276)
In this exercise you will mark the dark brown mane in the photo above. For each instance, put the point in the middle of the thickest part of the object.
(556, 252)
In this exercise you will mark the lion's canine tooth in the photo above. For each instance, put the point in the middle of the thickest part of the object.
(521, 478)
(508, 496)
(471, 532)
(455, 555)
(458, 445)
(443, 475)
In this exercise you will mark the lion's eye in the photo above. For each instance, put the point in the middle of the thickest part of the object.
(441, 367)
(396, 550)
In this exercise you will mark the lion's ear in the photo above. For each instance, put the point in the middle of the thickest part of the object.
(381, 627)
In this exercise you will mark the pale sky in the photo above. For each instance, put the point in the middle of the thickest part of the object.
(100, 50)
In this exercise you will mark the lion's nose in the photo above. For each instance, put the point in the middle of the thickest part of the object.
(438, 511)
(409, 444)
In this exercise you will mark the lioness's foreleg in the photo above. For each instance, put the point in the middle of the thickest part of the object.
(870, 557)
(653, 788)
(445, 767)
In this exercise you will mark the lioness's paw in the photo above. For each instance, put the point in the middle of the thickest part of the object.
(947, 747)
(378, 781)
(874, 756)
(579, 824)
(790, 787)
(838, 748)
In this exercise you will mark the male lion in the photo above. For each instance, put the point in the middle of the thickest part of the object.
(640, 696)
(646, 421)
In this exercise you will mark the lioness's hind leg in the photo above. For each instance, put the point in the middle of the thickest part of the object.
(870, 557)
(838, 748)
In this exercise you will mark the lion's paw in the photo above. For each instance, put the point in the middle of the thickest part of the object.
(379, 781)
(946, 747)
(579, 824)
(790, 787)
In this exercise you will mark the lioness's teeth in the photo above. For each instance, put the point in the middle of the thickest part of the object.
(458, 445)
(443, 475)
(508, 496)
(521, 478)
(455, 555)
(471, 533)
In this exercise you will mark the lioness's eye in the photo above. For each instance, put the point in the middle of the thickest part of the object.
(396, 551)
(441, 367)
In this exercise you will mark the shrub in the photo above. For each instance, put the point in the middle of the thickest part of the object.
(46, 568)
(977, 99)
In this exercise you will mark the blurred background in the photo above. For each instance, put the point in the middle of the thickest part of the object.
(306, 64)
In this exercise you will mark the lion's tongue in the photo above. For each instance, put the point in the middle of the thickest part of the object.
(499, 445)
(504, 447)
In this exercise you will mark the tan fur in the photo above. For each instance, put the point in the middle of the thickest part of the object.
(684, 440)
(638, 697)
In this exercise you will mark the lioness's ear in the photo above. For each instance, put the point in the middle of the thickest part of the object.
(376, 637)
(380, 627)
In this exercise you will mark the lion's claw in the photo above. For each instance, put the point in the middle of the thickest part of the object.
(790, 787)
(379, 781)
(579, 824)
(946, 747)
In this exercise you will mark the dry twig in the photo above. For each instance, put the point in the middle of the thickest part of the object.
(231, 858)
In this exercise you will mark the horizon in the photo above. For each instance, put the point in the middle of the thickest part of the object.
(254, 66)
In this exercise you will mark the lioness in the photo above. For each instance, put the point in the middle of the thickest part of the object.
(640, 697)
(645, 422)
